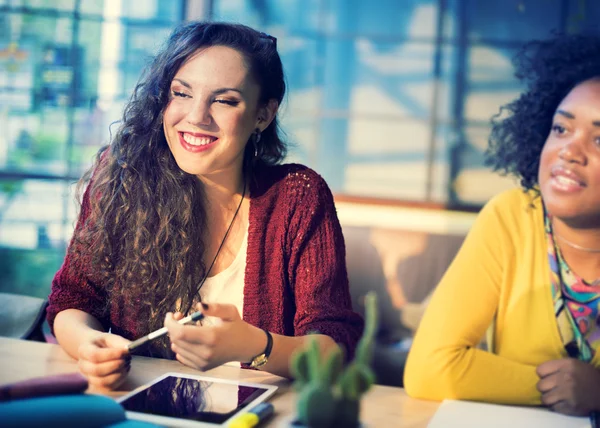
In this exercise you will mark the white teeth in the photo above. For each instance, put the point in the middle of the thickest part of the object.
(196, 141)
(564, 180)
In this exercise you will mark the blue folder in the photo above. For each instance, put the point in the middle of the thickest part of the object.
(85, 411)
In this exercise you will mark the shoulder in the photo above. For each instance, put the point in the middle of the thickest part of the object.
(290, 173)
(512, 211)
(291, 178)
(514, 202)
(292, 194)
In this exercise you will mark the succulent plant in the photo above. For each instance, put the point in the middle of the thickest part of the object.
(329, 393)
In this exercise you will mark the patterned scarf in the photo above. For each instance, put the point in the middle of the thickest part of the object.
(576, 304)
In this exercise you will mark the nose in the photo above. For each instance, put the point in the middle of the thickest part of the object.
(573, 151)
(199, 114)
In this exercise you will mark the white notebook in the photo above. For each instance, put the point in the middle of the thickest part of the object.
(467, 414)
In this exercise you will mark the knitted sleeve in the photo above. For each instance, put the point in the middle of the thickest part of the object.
(72, 286)
(317, 266)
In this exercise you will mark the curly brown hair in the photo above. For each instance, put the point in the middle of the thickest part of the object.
(144, 228)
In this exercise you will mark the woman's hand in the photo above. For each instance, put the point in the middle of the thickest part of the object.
(104, 360)
(205, 347)
(569, 386)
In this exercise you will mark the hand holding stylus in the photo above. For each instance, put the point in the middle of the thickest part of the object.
(196, 316)
(103, 359)
(205, 347)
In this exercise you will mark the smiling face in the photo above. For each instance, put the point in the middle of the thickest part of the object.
(212, 112)
(569, 173)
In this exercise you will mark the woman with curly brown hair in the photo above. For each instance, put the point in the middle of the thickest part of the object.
(529, 269)
(188, 208)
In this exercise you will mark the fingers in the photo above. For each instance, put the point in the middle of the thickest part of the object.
(193, 345)
(189, 333)
(95, 353)
(192, 350)
(100, 355)
(552, 397)
(561, 400)
(175, 330)
(194, 363)
(111, 381)
(107, 375)
(548, 383)
(104, 361)
(190, 358)
(91, 369)
(224, 311)
(113, 341)
(568, 386)
(204, 347)
(550, 367)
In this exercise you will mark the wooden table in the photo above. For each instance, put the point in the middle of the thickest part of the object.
(382, 406)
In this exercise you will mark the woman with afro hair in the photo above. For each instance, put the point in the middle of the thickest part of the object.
(528, 272)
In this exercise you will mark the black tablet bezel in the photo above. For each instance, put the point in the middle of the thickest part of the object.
(267, 391)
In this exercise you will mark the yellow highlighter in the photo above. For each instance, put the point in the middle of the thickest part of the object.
(253, 417)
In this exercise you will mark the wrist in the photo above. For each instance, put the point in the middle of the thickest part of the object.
(255, 346)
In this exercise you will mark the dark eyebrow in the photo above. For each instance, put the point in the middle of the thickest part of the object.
(572, 116)
(183, 82)
(223, 90)
(565, 114)
(216, 92)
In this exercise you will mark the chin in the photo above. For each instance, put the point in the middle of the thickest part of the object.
(188, 167)
(573, 217)
(566, 217)
(561, 211)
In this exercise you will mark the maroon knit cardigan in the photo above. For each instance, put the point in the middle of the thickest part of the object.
(295, 281)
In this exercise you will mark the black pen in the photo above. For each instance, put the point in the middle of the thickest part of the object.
(196, 316)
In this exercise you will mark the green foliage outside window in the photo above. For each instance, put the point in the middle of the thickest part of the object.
(29, 272)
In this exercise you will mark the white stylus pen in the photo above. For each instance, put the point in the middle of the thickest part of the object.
(196, 316)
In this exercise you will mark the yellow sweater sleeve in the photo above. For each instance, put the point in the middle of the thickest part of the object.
(444, 362)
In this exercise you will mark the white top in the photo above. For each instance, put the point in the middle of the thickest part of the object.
(227, 286)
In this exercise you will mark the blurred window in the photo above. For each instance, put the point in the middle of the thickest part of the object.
(388, 99)
(393, 98)
(66, 69)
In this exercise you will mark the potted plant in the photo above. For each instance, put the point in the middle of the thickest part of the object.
(328, 393)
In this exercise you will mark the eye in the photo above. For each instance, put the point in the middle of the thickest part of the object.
(597, 141)
(558, 129)
(232, 103)
(180, 94)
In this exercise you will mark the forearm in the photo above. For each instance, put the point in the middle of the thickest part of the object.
(470, 374)
(72, 327)
(283, 348)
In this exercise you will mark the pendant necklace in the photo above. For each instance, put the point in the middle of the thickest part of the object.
(577, 247)
(224, 239)
(594, 283)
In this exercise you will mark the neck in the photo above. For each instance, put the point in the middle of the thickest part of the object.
(580, 248)
(582, 240)
(224, 189)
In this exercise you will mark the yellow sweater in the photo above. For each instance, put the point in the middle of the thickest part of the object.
(502, 275)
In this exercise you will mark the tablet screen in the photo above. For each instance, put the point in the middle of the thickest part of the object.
(194, 398)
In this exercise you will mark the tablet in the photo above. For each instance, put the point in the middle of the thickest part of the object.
(184, 400)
